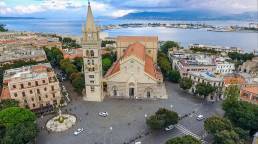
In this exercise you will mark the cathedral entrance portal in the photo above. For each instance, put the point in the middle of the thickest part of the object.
(131, 92)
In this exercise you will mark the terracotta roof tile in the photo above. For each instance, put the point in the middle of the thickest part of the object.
(137, 50)
(137, 38)
(252, 89)
(5, 94)
(233, 80)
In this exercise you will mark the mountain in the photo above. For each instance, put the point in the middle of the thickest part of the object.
(191, 15)
(10, 18)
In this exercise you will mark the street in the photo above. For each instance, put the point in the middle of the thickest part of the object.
(126, 120)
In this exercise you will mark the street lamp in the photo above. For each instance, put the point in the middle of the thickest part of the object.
(111, 128)
(171, 106)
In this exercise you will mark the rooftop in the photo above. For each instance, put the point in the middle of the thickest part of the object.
(206, 75)
(252, 89)
(28, 72)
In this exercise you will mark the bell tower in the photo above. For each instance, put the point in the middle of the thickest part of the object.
(91, 46)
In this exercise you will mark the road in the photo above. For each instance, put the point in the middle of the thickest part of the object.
(127, 119)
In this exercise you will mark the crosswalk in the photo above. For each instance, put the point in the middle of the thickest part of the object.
(188, 132)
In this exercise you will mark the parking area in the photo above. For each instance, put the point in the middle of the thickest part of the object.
(126, 120)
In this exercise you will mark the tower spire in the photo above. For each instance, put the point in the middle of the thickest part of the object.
(90, 24)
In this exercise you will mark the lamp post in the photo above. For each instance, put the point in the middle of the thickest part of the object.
(111, 128)
(171, 106)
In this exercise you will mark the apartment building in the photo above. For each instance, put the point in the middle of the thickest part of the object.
(217, 48)
(35, 86)
(249, 93)
(207, 77)
(9, 56)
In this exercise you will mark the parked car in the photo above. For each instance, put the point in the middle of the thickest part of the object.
(103, 114)
(170, 127)
(200, 117)
(138, 142)
(78, 131)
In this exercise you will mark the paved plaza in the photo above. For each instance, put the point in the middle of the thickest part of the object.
(127, 119)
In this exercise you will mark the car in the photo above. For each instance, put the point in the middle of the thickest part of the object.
(138, 142)
(103, 114)
(200, 117)
(78, 131)
(170, 127)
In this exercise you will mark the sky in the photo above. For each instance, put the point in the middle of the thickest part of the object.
(117, 8)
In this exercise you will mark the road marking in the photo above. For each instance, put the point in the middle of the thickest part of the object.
(188, 132)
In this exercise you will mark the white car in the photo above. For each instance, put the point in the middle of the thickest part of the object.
(200, 117)
(103, 114)
(170, 127)
(78, 131)
(138, 142)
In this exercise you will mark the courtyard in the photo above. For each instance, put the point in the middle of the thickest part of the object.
(126, 120)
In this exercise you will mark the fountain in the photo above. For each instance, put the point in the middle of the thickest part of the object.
(61, 122)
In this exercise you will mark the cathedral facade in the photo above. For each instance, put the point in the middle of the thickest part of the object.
(135, 73)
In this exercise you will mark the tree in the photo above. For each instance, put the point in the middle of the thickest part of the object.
(204, 89)
(167, 45)
(164, 63)
(2, 28)
(106, 64)
(185, 83)
(162, 119)
(155, 123)
(242, 114)
(22, 133)
(216, 124)
(17, 126)
(8, 103)
(232, 93)
(227, 137)
(78, 83)
(174, 76)
(184, 140)
(15, 115)
(78, 62)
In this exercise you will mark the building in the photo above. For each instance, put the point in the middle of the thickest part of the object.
(249, 93)
(195, 63)
(250, 66)
(223, 67)
(9, 56)
(207, 77)
(255, 139)
(91, 46)
(217, 48)
(150, 43)
(35, 86)
(234, 79)
(72, 53)
(135, 75)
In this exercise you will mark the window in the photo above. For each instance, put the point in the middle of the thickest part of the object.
(148, 94)
(92, 88)
(38, 91)
(54, 95)
(92, 62)
(31, 92)
(33, 105)
(43, 81)
(53, 88)
(46, 96)
(23, 94)
(25, 101)
(14, 86)
(32, 99)
(29, 83)
(39, 98)
(91, 76)
(15, 94)
(87, 53)
(22, 86)
(92, 53)
(36, 82)
(45, 89)
(92, 82)
(88, 62)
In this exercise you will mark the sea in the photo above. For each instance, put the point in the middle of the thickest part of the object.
(248, 41)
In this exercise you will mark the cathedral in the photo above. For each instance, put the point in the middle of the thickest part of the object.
(134, 75)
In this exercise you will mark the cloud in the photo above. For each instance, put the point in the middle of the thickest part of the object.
(117, 8)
